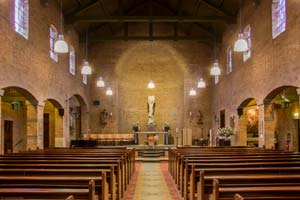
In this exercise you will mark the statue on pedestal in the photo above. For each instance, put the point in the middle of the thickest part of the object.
(151, 110)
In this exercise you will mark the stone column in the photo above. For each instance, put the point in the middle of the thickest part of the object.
(40, 125)
(261, 121)
(31, 126)
(1, 129)
(66, 125)
(266, 126)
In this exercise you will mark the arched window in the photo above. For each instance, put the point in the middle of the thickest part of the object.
(84, 79)
(53, 37)
(22, 17)
(247, 34)
(229, 60)
(72, 60)
(278, 17)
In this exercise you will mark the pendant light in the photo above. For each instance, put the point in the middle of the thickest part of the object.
(151, 84)
(109, 92)
(86, 68)
(60, 45)
(192, 92)
(241, 45)
(201, 83)
(100, 83)
(215, 70)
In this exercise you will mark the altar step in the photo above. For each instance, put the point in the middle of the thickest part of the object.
(151, 153)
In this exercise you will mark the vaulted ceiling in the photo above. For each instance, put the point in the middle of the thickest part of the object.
(199, 20)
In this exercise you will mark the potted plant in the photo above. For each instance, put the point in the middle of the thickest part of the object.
(225, 134)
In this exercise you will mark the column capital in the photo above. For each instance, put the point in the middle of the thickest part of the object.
(41, 104)
(260, 102)
(2, 92)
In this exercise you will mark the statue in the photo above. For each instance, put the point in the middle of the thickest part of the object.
(104, 117)
(151, 110)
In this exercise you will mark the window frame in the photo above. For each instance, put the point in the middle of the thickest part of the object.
(229, 65)
(21, 18)
(278, 18)
(72, 61)
(247, 34)
(53, 34)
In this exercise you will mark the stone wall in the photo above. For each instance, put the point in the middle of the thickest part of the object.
(274, 62)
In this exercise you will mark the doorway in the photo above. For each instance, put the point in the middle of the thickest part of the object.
(46, 130)
(8, 136)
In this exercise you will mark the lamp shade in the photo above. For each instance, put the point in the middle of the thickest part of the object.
(100, 82)
(201, 83)
(60, 45)
(241, 44)
(109, 92)
(192, 92)
(151, 85)
(86, 69)
(215, 70)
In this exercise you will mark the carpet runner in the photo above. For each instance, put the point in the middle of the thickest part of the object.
(152, 181)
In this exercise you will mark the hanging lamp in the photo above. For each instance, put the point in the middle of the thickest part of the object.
(201, 83)
(86, 68)
(60, 45)
(151, 85)
(100, 83)
(109, 92)
(241, 45)
(192, 92)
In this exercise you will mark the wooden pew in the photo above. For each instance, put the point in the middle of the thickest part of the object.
(87, 193)
(256, 192)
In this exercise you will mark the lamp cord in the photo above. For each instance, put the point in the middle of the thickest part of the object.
(240, 16)
(86, 44)
(61, 17)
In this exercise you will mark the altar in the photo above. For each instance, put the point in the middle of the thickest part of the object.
(141, 137)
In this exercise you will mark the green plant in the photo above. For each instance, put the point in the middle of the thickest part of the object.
(167, 127)
(226, 132)
(135, 127)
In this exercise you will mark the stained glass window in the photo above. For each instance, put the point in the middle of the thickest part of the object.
(84, 79)
(22, 17)
(247, 34)
(229, 60)
(216, 80)
(278, 17)
(53, 37)
(72, 60)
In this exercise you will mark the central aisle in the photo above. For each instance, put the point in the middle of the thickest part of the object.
(152, 181)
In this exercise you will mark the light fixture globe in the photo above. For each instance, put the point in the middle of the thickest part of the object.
(109, 92)
(241, 45)
(86, 69)
(151, 85)
(201, 83)
(60, 45)
(215, 70)
(100, 83)
(192, 92)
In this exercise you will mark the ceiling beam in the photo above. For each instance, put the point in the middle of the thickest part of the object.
(96, 39)
(148, 19)
(81, 9)
(215, 8)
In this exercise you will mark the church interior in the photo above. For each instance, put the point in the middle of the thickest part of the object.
(149, 99)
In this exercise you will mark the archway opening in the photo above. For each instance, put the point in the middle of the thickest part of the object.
(282, 118)
(53, 124)
(248, 123)
(19, 118)
(78, 117)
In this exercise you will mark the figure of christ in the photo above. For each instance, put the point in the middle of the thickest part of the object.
(151, 110)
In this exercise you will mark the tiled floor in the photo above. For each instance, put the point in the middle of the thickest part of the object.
(152, 182)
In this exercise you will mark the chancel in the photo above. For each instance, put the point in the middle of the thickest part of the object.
(149, 99)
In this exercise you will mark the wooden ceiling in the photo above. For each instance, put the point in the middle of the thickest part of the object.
(199, 20)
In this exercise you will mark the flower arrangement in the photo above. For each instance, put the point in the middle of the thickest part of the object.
(226, 132)
(135, 127)
(166, 127)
